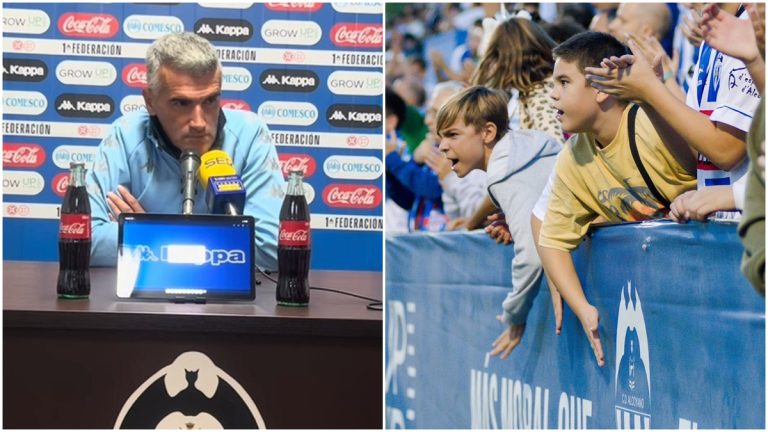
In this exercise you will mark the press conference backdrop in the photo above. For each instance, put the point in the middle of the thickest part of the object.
(682, 331)
(313, 71)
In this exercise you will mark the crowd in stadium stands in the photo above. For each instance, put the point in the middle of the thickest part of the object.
(537, 121)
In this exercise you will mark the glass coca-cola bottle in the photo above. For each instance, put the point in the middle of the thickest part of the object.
(75, 238)
(293, 246)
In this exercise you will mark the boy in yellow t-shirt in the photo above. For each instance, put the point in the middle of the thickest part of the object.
(596, 174)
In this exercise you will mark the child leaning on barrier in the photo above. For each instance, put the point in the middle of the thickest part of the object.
(615, 165)
(473, 127)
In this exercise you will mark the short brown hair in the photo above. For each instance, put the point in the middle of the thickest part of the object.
(476, 106)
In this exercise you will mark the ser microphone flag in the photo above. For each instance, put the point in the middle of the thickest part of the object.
(226, 194)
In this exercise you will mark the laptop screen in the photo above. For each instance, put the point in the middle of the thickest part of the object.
(185, 257)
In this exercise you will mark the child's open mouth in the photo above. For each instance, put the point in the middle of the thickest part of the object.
(453, 163)
(559, 115)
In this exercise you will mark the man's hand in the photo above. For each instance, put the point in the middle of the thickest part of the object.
(122, 202)
(728, 34)
(508, 340)
(690, 27)
(590, 319)
(498, 229)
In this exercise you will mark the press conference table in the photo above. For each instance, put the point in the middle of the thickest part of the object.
(74, 363)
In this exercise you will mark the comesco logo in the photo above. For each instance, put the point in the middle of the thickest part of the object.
(90, 73)
(356, 83)
(22, 183)
(357, 35)
(288, 113)
(135, 75)
(355, 116)
(351, 196)
(24, 70)
(63, 155)
(235, 78)
(353, 167)
(22, 155)
(297, 162)
(294, 6)
(24, 102)
(87, 25)
(132, 103)
(229, 30)
(235, 104)
(285, 32)
(81, 105)
(27, 21)
(60, 183)
(303, 81)
(151, 26)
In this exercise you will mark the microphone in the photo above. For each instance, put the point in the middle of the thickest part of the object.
(226, 194)
(190, 163)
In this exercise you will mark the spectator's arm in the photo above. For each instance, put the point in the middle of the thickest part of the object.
(723, 144)
(422, 182)
(485, 209)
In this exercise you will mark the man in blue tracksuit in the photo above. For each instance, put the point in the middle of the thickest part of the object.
(137, 166)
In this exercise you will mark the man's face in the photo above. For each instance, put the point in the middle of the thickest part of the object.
(574, 100)
(436, 102)
(463, 145)
(627, 21)
(187, 107)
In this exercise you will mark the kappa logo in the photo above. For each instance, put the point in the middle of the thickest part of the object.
(281, 80)
(230, 30)
(24, 70)
(82, 105)
(633, 371)
(355, 116)
(190, 393)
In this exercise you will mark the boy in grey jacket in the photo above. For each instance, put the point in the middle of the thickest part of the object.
(473, 127)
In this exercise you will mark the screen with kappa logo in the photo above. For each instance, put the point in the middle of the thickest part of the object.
(178, 257)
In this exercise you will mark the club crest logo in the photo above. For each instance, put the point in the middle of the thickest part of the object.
(633, 373)
(190, 393)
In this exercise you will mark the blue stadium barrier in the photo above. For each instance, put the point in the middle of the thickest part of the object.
(691, 335)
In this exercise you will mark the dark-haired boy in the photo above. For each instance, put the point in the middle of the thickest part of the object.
(473, 129)
(596, 173)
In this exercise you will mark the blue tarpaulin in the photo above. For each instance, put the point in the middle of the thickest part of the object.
(682, 330)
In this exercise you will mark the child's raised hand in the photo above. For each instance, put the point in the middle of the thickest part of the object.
(590, 319)
(631, 83)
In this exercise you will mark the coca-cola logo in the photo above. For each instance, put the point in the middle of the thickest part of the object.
(294, 6)
(88, 25)
(297, 162)
(235, 104)
(352, 196)
(77, 228)
(60, 184)
(135, 75)
(357, 35)
(298, 236)
(23, 155)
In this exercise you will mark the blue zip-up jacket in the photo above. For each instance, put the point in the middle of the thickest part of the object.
(136, 154)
